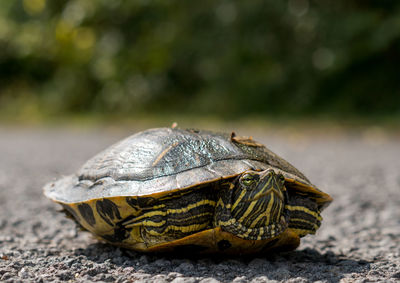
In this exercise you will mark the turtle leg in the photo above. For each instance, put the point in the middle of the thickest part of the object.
(304, 216)
(172, 216)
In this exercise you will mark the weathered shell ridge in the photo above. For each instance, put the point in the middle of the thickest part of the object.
(166, 159)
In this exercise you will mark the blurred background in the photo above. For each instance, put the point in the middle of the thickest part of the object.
(228, 60)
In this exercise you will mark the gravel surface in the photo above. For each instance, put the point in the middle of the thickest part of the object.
(359, 240)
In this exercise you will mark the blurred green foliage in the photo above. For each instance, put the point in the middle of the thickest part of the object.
(224, 58)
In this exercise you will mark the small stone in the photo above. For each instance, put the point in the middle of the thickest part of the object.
(298, 280)
(24, 273)
(258, 264)
(144, 259)
(173, 275)
(282, 273)
(262, 279)
(6, 276)
(161, 262)
(107, 278)
(396, 275)
(183, 280)
(160, 278)
(185, 267)
(66, 275)
(209, 280)
(94, 271)
(129, 269)
(4, 257)
(241, 279)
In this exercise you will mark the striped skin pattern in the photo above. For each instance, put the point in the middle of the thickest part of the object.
(176, 215)
(253, 206)
(304, 213)
(256, 208)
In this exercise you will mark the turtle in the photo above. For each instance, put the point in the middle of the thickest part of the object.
(189, 190)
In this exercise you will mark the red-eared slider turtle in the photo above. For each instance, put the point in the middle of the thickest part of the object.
(170, 189)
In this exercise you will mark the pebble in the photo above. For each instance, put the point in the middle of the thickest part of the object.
(209, 280)
(184, 280)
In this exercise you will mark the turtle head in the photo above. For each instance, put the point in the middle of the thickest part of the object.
(258, 187)
(257, 205)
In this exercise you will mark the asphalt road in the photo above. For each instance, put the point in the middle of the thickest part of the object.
(359, 240)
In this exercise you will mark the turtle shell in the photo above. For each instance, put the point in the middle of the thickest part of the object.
(158, 161)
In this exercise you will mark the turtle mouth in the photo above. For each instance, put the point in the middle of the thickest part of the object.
(275, 214)
(268, 220)
(269, 231)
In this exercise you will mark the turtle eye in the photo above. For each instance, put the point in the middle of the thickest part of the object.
(247, 179)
